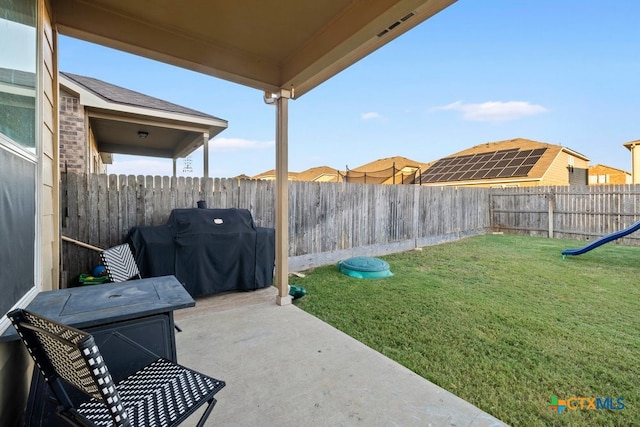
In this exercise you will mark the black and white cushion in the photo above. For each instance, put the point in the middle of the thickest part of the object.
(161, 394)
(119, 263)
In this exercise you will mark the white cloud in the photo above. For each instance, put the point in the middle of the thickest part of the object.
(372, 116)
(130, 165)
(493, 111)
(235, 144)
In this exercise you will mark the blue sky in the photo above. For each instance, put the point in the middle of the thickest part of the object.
(559, 71)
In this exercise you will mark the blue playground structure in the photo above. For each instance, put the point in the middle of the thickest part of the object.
(601, 241)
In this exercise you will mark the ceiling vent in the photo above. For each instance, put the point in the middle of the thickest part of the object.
(395, 24)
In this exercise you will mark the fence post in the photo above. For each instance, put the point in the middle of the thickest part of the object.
(552, 202)
(417, 193)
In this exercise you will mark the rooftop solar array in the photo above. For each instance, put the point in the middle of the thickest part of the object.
(495, 164)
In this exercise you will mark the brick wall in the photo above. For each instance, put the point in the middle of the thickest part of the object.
(72, 135)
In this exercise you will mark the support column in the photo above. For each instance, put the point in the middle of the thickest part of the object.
(635, 164)
(174, 167)
(205, 154)
(282, 198)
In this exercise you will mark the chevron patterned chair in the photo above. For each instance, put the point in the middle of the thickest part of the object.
(162, 394)
(121, 266)
(120, 263)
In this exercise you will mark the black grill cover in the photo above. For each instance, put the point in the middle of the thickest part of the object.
(208, 250)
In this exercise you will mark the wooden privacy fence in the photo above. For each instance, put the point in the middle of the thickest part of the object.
(327, 221)
(572, 212)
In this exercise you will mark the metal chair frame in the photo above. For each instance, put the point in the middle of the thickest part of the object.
(163, 393)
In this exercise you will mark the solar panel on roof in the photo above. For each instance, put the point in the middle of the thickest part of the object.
(522, 170)
(507, 172)
(467, 175)
(496, 164)
(491, 164)
(479, 174)
(492, 173)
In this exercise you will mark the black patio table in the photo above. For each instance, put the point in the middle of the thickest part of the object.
(131, 322)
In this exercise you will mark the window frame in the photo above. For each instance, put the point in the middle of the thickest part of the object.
(36, 159)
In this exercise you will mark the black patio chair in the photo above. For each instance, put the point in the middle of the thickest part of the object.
(120, 263)
(162, 393)
(122, 266)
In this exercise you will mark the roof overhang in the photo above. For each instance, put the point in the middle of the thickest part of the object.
(289, 44)
(130, 129)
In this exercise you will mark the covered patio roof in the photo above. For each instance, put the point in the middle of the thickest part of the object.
(283, 48)
(126, 122)
(289, 44)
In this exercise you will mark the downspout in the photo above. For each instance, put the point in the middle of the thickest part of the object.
(205, 154)
(281, 102)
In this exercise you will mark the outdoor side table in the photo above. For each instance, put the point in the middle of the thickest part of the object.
(132, 323)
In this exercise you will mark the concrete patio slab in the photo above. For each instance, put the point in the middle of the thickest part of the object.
(285, 367)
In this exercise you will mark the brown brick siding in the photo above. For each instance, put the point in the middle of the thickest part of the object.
(72, 135)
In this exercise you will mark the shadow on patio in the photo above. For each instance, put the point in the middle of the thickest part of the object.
(285, 367)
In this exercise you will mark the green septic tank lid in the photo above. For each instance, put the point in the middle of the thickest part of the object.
(365, 267)
(365, 263)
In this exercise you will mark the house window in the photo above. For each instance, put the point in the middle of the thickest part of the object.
(18, 73)
(18, 162)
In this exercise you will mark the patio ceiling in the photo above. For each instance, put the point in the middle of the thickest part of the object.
(289, 44)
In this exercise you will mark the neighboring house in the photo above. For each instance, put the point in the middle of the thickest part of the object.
(634, 147)
(98, 119)
(512, 163)
(319, 174)
(271, 175)
(601, 174)
(315, 174)
(390, 170)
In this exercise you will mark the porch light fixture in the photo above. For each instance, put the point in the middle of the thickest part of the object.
(142, 134)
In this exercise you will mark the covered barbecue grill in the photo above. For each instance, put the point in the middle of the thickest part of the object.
(208, 250)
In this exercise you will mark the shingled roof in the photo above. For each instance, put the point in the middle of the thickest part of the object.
(514, 158)
(120, 95)
(386, 163)
(119, 116)
(318, 173)
(271, 174)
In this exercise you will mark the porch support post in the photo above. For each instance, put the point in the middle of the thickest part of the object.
(635, 163)
(282, 198)
(205, 154)
(174, 167)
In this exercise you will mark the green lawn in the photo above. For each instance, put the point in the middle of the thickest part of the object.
(503, 322)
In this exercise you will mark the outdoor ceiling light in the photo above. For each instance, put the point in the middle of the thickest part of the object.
(142, 134)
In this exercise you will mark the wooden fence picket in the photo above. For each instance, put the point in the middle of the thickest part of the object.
(332, 219)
